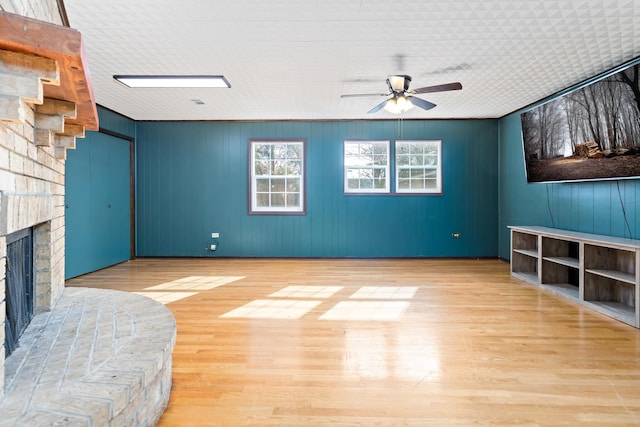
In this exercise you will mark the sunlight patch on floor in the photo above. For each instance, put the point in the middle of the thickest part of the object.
(273, 309)
(293, 302)
(166, 297)
(186, 287)
(307, 292)
(366, 310)
(199, 283)
(385, 292)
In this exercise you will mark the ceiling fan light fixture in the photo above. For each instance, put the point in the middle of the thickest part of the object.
(391, 106)
(398, 104)
(404, 104)
(157, 81)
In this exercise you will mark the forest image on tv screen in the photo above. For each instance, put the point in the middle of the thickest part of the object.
(587, 134)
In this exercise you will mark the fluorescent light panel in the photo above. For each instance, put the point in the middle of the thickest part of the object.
(173, 81)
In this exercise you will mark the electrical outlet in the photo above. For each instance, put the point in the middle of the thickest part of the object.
(456, 234)
(215, 235)
(214, 247)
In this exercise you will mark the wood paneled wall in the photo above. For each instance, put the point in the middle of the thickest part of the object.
(192, 181)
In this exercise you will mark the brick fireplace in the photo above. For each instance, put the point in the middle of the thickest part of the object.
(45, 104)
(89, 356)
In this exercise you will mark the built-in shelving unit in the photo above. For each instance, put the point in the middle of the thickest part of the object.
(600, 272)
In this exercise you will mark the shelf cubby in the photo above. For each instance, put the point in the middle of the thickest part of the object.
(524, 256)
(609, 262)
(612, 297)
(525, 242)
(561, 266)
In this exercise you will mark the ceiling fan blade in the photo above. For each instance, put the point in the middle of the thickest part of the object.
(425, 105)
(378, 107)
(357, 95)
(438, 88)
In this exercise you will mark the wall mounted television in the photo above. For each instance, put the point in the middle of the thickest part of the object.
(590, 133)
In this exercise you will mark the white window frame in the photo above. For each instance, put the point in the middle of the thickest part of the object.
(356, 164)
(408, 166)
(257, 180)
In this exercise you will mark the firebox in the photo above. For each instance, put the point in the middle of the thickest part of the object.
(19, 287)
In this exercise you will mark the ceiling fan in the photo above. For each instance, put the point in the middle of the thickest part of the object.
(402, 98)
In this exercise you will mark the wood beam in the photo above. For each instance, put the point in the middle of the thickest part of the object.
(63, 45)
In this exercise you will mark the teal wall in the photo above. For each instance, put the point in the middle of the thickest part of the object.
(97, 200)
(192, 181)
(592, 207)
(117, 123)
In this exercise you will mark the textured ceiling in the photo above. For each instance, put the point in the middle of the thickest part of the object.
(292, 59)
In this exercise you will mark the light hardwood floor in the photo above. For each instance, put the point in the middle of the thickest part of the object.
(382, 343)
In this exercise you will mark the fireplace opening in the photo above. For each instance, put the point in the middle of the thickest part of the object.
(19, 289)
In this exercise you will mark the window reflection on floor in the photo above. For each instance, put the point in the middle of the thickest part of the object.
(378, 354)
(365, 354)
(416, 356)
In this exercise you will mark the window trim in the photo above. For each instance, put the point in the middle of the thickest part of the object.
(438, 190)
(373, 191)
(253, 210)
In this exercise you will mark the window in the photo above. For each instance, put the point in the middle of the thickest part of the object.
(419, 166)
(366, 167)
(277, 177)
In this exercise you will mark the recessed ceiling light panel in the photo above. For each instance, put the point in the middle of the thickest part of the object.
(173, 81)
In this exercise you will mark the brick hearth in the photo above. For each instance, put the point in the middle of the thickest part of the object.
(99, 358)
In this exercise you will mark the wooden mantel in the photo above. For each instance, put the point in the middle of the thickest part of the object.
(62, 44)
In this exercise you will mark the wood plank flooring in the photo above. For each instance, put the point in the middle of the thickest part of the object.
(382, 343)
